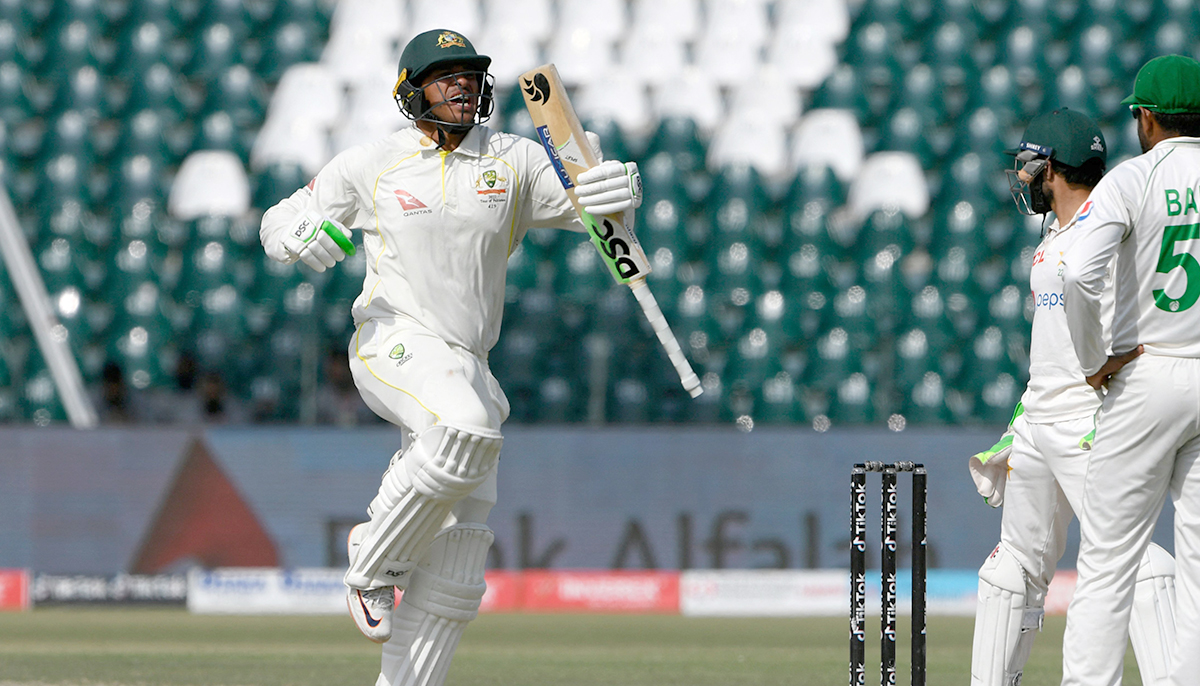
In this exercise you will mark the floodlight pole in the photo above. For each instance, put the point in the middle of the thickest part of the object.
(51, 335)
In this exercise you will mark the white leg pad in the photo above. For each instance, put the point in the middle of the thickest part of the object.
(443, 465)
(443, 596)
(1007, 620)
(1152, 622)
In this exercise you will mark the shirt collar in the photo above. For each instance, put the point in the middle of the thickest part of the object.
(472, 144)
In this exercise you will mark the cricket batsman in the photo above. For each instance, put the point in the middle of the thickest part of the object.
(1037, 470)
(440, 205)
(1144, 212)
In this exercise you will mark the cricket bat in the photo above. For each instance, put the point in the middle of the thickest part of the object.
(561, 134)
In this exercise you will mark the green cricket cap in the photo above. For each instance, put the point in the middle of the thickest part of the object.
(1066, 136)
(439, 46)
(1169, 84)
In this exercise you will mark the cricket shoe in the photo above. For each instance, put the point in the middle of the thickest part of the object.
(371, 609)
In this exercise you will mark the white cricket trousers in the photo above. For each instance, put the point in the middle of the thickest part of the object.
(1044, 490)
(412, 378)
(1147, 442)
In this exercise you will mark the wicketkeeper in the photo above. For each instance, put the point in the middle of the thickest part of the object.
(440, 205)
(1038, 468)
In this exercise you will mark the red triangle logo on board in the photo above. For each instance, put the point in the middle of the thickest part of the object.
(203, 520)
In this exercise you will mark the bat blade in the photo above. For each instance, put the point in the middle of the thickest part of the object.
(561, 134)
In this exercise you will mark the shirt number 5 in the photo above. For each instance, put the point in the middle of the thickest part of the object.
(1169, 260)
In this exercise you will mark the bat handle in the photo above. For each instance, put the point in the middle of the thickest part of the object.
(691, 383)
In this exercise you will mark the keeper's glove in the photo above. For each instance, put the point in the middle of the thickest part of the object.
(318, 242)
(989, 469)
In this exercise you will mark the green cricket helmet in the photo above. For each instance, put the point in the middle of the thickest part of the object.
(424, 53)
(1067, 137)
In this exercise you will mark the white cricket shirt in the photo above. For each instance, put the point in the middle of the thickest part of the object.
(438, 227)
(1057, 390)
(1146, 211)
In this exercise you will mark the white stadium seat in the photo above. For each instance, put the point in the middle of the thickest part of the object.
(829, 137)
(533, 18)
(457, 15)
(679, 19)
(209, 183)
(690, 95)
(618, 97)
(762, 145)
(889, 180)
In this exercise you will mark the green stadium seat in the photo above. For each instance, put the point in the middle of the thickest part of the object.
(681, 139)
(813, 183)
(168, 12)
(314, 12)
(9, 407)
(981, 132)
(241, 94)
(237, 15)
(138, 349)
(936, 319)
(136, 261)
(948, 50)
(523, 268)
(612, 139)
(925, 401)
(157, 87)
(69, 46)
(906, 131)
(853, 312)
(140, 178)
(853, 401)
(286, 45)
(559, 401)
(961, 226)
(70, 133)
(778, 401)
(668, 278)
(517, 358)
(999, 93)
(1011, 310)
(218, 132)
(754, 357)
(144, 42)
(276, 182)
(694, 324)
(218, 49)
(920, 92)
(15, 104)
(144, 132)
(834, 359)
(884, 229)
(39, 397)
(1095, 51)
(845, 90)
(583, 277)
(1071, 89)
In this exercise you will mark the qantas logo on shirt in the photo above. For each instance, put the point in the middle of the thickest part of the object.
(408, 202)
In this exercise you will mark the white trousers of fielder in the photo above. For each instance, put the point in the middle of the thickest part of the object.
(1147, 442)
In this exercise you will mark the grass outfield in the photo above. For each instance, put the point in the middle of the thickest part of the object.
(120, 647)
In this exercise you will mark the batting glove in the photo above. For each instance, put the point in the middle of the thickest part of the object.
(319, 243)
(989, 469)
(610, 188)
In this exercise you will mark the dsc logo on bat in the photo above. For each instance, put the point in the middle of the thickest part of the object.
(615, 248)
